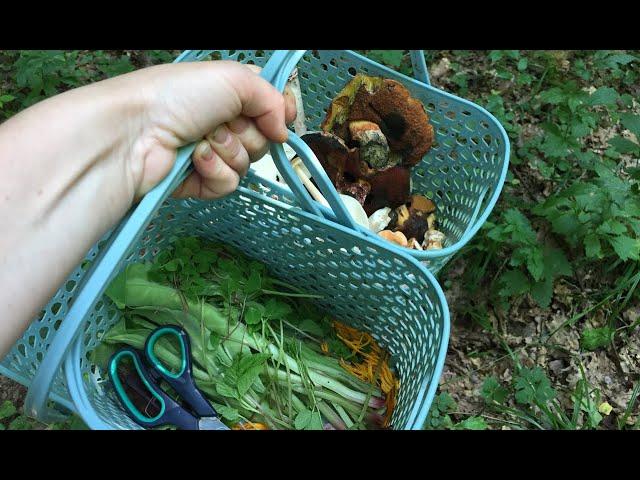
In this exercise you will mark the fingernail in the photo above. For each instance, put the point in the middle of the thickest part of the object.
(221, 135)
(204, 151)
(288, 91)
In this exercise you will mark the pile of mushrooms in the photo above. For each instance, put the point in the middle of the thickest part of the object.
(372, 136)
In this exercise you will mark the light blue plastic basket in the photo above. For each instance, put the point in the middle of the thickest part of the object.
(365, 282)
(464, 171)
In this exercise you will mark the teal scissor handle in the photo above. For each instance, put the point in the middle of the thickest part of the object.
(149, 370)
(144, 383)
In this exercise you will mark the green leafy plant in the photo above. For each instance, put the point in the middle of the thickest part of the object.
(535, 265)
(442, 410)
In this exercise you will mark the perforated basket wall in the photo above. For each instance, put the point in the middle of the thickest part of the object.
(364, 284)
(464, 171)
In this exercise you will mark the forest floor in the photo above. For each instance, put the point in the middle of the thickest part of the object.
(521, 356)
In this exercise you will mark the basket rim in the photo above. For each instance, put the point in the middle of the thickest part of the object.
(419, 412)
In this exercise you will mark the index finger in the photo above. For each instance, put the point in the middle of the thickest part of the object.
(261, 101)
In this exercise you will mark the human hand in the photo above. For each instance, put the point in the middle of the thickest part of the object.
(229, 104)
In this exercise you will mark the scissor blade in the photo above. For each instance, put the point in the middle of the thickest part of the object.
(211, 423)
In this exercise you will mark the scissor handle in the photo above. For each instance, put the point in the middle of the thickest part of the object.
(171, 413)
(182, 380)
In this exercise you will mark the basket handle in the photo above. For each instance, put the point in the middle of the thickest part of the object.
(419, 64)
(105, 268)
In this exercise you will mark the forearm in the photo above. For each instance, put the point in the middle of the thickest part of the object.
(61, 188)
(71, 166)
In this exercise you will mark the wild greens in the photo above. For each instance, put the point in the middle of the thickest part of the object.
(257, 342)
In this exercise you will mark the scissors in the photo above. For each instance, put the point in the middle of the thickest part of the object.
(141, 396)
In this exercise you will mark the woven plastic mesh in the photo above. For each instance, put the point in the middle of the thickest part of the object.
(462, 170)
(363, 285)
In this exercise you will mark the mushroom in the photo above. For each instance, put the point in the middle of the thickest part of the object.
(352, 205)
(414, 244)
(389, 188)
(395, 237)
(374, 189)
(374, 148)
(433, 240)
(355, 210)
(379, 219)
(412, 219)
(389, 104)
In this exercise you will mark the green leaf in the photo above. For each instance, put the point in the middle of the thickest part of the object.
(535, 263)
(228, 413)
(553, 96)
(624, 145)
(247, 370)
(592, 247)
(316, 422)
(594, 338)
(603, 96)
(532, 386)
(275, 308)
(513, 282)
(611, 226)
(226, 390)
(21, 423)
(556, 263)
(445, 403)
(302, 420)
(632, 123)
(522, 64)
(620, 59)
(565, 224)
(254, 282)
(253, 314)
(392, 58)
(492, 391)
(542, 291)
(7, 409)
(472, 423)
(626, 247)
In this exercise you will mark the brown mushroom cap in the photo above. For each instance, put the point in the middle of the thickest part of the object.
(387, 103)
(341, 163)
(389, 188)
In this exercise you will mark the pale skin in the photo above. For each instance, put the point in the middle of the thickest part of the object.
(72, 166)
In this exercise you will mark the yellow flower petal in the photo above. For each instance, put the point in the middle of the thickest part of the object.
(605, 408)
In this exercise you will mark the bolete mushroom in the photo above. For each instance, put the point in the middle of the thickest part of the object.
(372, 143)
(433, 240)
(414, 218)
(379, 219)
(373, 188)
(389, 104)
(396, 237)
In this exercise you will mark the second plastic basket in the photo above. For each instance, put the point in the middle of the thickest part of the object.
(464, 171)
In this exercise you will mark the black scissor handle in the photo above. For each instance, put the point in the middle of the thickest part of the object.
(182, 380)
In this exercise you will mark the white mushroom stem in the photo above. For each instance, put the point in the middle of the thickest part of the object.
(299, 124)
(302, 173)
(433, 240)
(351, 204)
